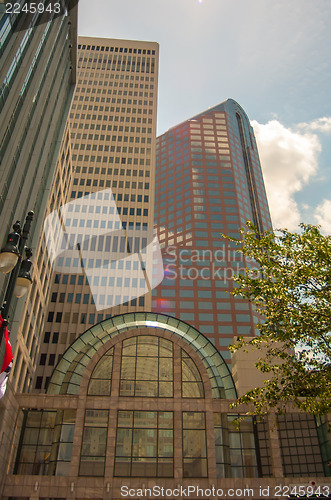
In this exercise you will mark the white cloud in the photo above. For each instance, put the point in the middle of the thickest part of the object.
(319, 125)
(289, 160)
(323, 216)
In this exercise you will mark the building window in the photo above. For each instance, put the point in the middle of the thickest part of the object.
(194, 444)
(144, 444)
(94, 443)
(147, 367)
(100, 381)
(192, 386)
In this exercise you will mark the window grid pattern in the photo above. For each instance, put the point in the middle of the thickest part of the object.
(46, 442)
(94, 443)
(194, 444)
(299, 444)
(147, 367)
(235, 446)
(100, 381)
(144, 444)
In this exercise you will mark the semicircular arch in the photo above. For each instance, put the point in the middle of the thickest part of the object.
(67, 375)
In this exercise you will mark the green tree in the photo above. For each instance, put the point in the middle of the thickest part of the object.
(289, 284)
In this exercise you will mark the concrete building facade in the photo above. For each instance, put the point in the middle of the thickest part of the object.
(113, 135)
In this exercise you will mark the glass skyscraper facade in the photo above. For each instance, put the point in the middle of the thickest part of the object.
(208, 185)
(38, 75)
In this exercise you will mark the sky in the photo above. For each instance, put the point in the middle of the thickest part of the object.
(272, 56)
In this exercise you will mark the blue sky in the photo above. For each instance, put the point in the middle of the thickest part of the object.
(272, 56)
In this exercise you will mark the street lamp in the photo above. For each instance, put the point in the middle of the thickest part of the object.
(11, 261)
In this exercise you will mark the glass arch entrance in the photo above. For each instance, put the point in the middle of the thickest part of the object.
(67, 375)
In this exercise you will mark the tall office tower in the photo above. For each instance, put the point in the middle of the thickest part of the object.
(37, 74)
(208, 184)
(113, 131)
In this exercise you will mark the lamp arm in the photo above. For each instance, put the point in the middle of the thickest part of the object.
(14, 273)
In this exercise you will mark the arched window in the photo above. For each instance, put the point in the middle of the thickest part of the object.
(146, 370)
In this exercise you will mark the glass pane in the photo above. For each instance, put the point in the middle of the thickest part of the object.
(97, 418)
(144, 443)
(43, 455)
(99, 387)
(45, 436)
(127, 388)
(234, 440)
(146, 419)
(165, 348)
(67, 433)
(128, 368)
(129, 347)
(147, 346)
(194, 443)
(48, 419)
(220, 470)
(195, 467)
(122, 467)
(246, 425)
(69, 416)
(65, 451)
(147, 368)
(249, 458)
(33, 419)
(28, 453)
(166, 389)
(248, 440)
(218, 436)
(165, 443)
(237, 472)
(193, 420)
(189, 371)
(26, 469)
(94, 441)
(92, 466)
(165, 419)
(144, 467)
(123, 442)
(219, 454)
(62, 469)
(165, 467)
(192, 390)
(165, 369)
(236, 458)
(148, 389)
(103, 368)
(125, 419)
(31, 436)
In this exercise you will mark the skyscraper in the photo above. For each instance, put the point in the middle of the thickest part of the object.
(208, 184)
(38, 74)
(113, 135)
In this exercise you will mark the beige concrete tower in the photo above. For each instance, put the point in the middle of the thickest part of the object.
(113, 135)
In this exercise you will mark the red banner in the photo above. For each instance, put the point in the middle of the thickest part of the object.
(8, 357)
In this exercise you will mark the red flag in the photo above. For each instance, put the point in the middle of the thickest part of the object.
(8, 358)
(7, 361)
